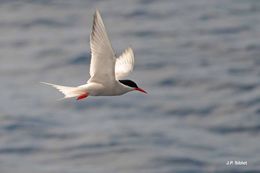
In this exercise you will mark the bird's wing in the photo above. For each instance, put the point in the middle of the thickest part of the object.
(102, 65)
(124, 64)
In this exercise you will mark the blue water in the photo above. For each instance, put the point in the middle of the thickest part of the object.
(198, 60)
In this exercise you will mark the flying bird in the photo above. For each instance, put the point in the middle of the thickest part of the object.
(106, 70)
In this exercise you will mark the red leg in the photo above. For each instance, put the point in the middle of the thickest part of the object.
(82, 96)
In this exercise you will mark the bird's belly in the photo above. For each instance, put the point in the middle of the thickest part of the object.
(96, 89)
(107, 92)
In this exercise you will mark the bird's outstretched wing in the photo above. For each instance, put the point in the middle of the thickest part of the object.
(124, 64)
(102, 65)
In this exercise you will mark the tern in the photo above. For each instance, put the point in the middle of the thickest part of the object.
(106, 70)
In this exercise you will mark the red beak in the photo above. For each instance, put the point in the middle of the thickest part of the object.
(141, 90)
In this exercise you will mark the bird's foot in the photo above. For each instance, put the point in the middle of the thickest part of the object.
(82, 96)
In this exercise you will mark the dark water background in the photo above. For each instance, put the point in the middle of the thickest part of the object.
(199, 61)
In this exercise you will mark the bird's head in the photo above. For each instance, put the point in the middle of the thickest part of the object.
(132, 85)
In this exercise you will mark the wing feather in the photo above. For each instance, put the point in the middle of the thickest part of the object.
(124, 64)
(102, 65)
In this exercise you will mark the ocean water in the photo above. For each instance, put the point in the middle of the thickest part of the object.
(198, 60)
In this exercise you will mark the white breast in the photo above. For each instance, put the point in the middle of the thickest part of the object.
(97, 89)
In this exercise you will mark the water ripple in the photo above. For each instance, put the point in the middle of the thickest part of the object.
(227, 130)
(179, 161)
(19, 150)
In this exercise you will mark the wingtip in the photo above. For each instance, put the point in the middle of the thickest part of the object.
(96, 18)
(97, 13)
(130, 49)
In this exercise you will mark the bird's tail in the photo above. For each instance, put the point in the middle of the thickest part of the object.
(68, 92)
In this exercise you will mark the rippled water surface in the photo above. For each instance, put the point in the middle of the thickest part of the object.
(199, 61)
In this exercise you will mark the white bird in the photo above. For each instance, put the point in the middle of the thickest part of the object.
(105, 69)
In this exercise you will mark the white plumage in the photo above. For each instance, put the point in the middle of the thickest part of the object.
(124, 64)
(105, 68)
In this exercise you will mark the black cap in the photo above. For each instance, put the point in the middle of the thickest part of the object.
(129, 83)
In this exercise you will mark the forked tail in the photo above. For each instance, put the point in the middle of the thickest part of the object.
(69, 92)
